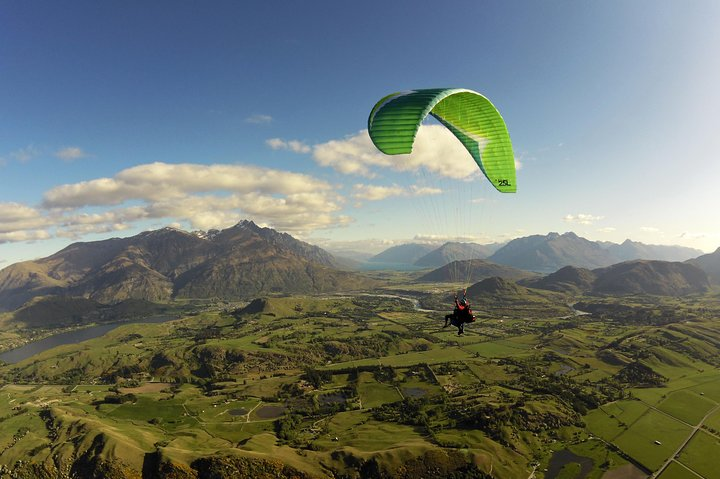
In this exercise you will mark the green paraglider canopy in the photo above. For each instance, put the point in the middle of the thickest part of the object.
(394, 122)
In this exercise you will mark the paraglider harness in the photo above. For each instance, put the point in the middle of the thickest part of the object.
(461, 314)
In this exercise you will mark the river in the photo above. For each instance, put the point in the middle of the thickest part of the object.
(76, 336)
(71, 337)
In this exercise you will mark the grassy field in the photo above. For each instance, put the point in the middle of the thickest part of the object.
(501, 348)
(639, 441)
(373, 393)
(713, 421)
(611, 420)
(687, 406)
(435, 356)
(708, 385)
(677, 471)
(701, 454)
(341, 381)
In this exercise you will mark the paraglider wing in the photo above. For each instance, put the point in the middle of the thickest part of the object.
(395, 119)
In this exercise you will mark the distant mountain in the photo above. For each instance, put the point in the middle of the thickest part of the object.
(347, 264)
(710, 263)
(495, 286)
(474, 270)
(629, 277)
(565, 280)
(551, 252)
(450, 252)
(630, 250)
(235, 263)
(502, 296)
(650, 277)
(352, 255)
(404, 253)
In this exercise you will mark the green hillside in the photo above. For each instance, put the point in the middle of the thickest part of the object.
(369, 386)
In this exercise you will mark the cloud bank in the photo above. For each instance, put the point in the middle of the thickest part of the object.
(259, 119)
(204, 196)
(70, 153)
(582, 218)
(376, 193)
(435, 150)
(292, 145)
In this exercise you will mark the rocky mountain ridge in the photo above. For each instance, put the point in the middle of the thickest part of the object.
(540, 253)
(454, 251)
(474, 270)
(238, 262)
(710, 263)
(548, 253)
(666, 278)
(405, 253)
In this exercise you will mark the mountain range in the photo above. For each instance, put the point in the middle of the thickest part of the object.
(540, 253)
(236, 263)
(403, 254)
(474, 270)
(548, 253)
(431, 256)
(669, 278)
(453, 251)
(246, 260)
(710, 263)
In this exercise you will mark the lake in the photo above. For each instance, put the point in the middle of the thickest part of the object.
(560, 459)
(70, 337)
(381, 266)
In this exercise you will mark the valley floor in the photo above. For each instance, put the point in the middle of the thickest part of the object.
(373, 386)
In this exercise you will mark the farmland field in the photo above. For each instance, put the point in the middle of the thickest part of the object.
(368, 382)
(701, 454)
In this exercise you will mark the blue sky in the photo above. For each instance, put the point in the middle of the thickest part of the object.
(117, 117)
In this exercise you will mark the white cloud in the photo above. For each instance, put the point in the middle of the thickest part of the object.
(424, 190)
(649, 229)
(608, 229)
(698, 235)
(112, 216)
(79, 230)
(23, 155)
(276, 143)
(16, 217)
(79, 224)
(164, 181)
(70, 153)
(293, 145)
(20, 222)
(23, 223)
(205, 196)
(299, 212)
(376, 193)
(582, 218)
(259, 119)
(705, 240)
(17, 236)
(436, 150)
(433, 239)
